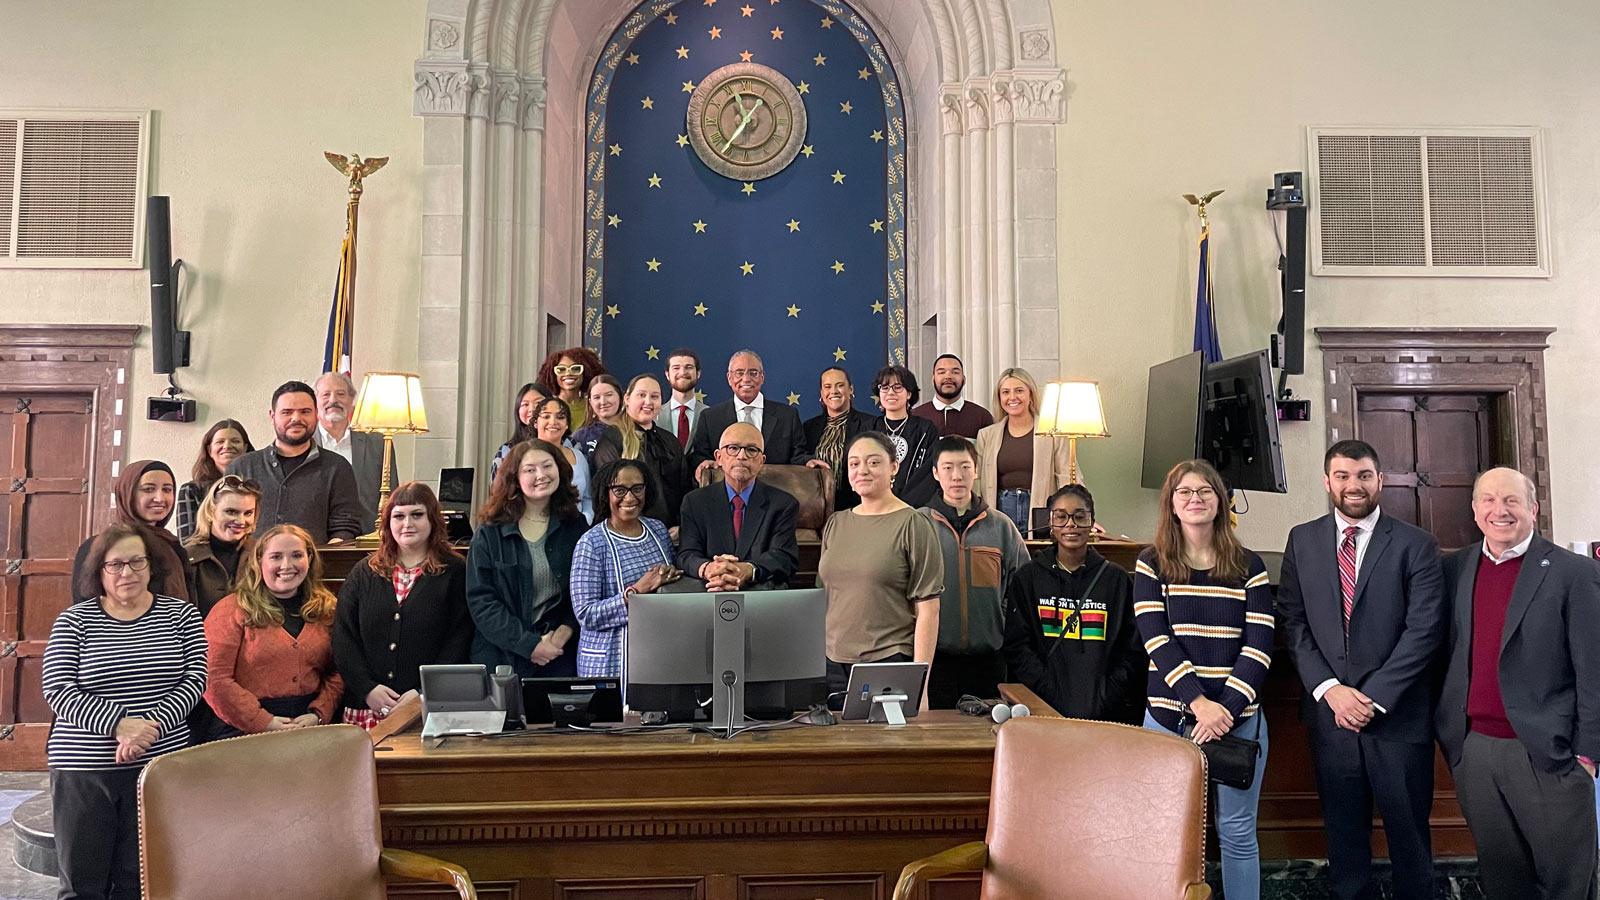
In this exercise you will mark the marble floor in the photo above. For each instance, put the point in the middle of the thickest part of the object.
(17, 883)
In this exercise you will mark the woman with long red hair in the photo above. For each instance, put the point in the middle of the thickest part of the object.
(566, 374)
(402, 607)
(1204, 609)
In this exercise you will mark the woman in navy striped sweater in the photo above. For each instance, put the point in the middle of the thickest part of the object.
(121, 672)
(1204, 610)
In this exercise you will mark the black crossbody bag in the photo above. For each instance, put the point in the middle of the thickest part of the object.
(1230, 759)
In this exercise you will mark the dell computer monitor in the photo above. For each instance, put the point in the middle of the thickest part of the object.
(670, 649)
(1171, 417)
(1240, 432)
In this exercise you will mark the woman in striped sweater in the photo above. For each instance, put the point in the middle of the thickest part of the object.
(121, 672)
(1204, 610)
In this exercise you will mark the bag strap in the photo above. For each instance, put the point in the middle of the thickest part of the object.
(1061, 638)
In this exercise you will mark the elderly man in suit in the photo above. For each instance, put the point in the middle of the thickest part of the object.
(1361, 595)
(679, 415)
(1519, 715)
(363, 450)
(778, 422)
(740, 532)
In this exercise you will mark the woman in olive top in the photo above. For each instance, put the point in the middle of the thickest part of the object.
(1017, 467)
(882, 568)
(568, 374)
(519, 565)
(402, 607)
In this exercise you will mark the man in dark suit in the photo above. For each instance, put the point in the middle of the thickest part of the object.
(363, 450)
(1361, 595)
(779, 423)
(1519, 716)
(740, 532)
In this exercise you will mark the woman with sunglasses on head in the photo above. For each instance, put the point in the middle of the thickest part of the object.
(882, 568)
(1204, 608)
(567, 374)
(402, 607)
(605, 409)
(270, 663)
(1070, 633)
(225, 521)
(144, 499)
(552, 420)
(519, 567)
(222, 443)
(625, 553)
(529, 398)
(635, 436)
(121, 672)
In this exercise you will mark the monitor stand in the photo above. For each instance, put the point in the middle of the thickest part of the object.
(886, 708)
(727, 664)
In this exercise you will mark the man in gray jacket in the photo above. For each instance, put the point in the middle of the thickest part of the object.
(336, 403)
(982, 550)
(300, 483)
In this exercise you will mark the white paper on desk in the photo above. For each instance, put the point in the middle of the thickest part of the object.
(486, 722)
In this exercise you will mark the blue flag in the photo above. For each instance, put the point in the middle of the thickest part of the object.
(341, 316)
(1205, 313)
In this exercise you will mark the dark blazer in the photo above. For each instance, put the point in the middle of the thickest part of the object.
(376, 642)
(661, 455)
(366, 458)
(209, 578)
(1549, 655)
(766, 540)
(500, 593)
(858, 421)
(1396, 628)
(780, 426)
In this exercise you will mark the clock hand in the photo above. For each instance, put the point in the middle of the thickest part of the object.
(742, 125)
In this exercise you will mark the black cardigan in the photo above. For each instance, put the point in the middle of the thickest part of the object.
(662, 458)
(500, 594)
(913, 482)
(431, 627)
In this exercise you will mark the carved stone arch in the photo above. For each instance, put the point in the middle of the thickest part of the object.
(501, 86)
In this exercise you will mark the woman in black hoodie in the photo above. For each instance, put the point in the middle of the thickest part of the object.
(1070, 635)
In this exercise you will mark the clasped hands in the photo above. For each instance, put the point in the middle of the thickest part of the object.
(1352, 710)
(135, 737)
(725, 572)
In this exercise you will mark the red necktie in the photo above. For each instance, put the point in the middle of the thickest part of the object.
(683, 427)
(1347, 574)
(738, 515)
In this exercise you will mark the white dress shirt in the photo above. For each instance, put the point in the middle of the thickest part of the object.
(755, 408)
(341, 446)
(941, 406)
(1511, 552)
(1363, 538)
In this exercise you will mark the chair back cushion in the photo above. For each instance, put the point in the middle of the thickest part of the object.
(264, 817)
(812, 488)
(1094, 810)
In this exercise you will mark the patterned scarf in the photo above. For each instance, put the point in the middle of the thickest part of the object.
(830, 447)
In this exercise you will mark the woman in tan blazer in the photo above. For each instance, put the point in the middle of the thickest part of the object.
(1025, 452)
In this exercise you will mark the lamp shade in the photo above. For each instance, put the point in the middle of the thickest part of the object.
(1072, 409)
(390, 403)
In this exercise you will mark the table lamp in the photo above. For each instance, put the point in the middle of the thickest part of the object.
(389, 403)
(1072, 409)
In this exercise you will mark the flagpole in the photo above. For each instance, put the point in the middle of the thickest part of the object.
(341, 322)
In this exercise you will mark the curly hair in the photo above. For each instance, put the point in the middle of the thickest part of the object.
(260, 608)
(413, 493)
(506, 503)
(583, 355)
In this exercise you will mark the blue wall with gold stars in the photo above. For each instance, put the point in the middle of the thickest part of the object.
(806, 266)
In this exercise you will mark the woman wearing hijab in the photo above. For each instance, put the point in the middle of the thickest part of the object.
(145, 496)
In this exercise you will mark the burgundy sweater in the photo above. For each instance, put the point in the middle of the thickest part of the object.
(1491, 596)
(965, 423)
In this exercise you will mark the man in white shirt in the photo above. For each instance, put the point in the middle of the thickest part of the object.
(336, 400)
(949, 412)
(779, 424)
(679, 415)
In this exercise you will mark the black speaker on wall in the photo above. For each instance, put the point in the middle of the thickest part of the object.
(1288, 194)
(169, 347)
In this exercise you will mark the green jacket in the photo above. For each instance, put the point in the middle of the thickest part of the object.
(977, 565)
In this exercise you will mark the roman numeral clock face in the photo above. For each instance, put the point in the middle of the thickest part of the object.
(746, 121)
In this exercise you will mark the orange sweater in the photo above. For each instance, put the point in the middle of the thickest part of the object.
(244, 664)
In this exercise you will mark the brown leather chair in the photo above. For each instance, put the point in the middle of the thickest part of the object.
(273, 816)
(1085, 810)
(812, 488)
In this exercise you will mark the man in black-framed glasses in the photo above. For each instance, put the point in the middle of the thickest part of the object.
(740, 532)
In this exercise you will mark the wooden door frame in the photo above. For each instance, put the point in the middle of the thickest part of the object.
(1507, 361)
(50, 359)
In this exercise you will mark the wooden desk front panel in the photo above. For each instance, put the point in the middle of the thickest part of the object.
(811, 813)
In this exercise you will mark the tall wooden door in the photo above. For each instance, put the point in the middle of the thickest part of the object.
(1432, 446)
(45, 449)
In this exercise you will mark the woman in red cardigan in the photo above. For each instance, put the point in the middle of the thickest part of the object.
(269, 664)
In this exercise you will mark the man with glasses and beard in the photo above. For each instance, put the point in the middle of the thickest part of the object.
(740, 532)
(363, 450)
(1362, 598)
(679, 415)
(948, 410)
(300, 483)
(778, 423)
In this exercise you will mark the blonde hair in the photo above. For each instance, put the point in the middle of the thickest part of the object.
(1021, 375)
(260, 608)
(206, 515)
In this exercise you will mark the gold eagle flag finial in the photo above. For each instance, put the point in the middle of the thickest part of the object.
(1201, 202)
(355, 168)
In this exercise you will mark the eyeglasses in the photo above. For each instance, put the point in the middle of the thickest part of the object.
(742, 451)
(116, 566)
(745, 373)
(1079, 517)
(1185, 494)
(892, 389)
(574, 369)
(619, 491)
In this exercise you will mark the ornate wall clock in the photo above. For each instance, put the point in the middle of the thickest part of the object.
(746, 121)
